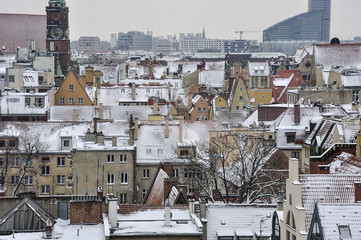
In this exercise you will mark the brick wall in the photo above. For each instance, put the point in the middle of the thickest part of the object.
(357, 192)
(87, 212)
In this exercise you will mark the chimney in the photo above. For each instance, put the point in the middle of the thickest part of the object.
(203, 209)
(180, 131)
(293, 170)
(100, 193)
(74, 115)
(99, 138)
(112, 211)
(296, 114)
(169, 92)
(167, 214)
(114, 141)
(150, 70)
(191, 206)
(101, 111)
(133, 91)
(166, 128)
(357, 192)
(136, 129)
(48, 228)
(89, 136)
(204, 223)
(155, 108)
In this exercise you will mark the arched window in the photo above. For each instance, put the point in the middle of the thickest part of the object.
(275, 227)
(293, 222)
(288, 218)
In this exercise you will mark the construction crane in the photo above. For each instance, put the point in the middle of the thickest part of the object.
(241, 32)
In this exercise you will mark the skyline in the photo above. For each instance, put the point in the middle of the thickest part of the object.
(161, 18)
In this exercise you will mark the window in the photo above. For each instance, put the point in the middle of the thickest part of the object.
(51, 46)
(290, 136)
(80, 100)
(144, 193)
(122, 90)
(27, 102)
(15, 162)
(355, 95)
(124, 178)
(146, 173)
(183, 153)
(199, 109)
(123, 158)
(123, 198)
(160, 151)
(61, 100)
(290, 199)
(2, 143)
(45, 159)
(66, 143)
(11, 78)
(1, 161)
(204, 109)
(60, 161)
(71, 100)
(254, 82)
(110, 158)
(28, 162)
(110, 179)
(45, 170)
(175, 172)
(60, 179)
(12, 143)
(149, 151)
(14, 180)
(45, 189)
(345, 232)
(295, 155)
(71, 87)
(263, 81)
(28, 180)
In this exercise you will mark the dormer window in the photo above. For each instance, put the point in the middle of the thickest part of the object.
(66, 143)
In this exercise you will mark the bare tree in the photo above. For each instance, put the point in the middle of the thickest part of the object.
(234, 165)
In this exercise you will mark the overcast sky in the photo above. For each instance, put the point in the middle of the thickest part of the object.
(221, 18)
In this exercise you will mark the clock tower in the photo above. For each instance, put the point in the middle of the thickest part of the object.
(57, 35)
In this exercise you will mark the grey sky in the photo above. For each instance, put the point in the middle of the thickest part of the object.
(221, 18)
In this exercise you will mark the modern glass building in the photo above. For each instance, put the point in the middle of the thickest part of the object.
(313, 25)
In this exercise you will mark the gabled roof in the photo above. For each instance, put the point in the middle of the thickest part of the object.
(7, 222)
(156, 194)
(326, 188)
(346, 163)
(332, 215)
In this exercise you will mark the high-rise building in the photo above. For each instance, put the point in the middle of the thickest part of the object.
(313, 25)
(113, 40)
(134, 40)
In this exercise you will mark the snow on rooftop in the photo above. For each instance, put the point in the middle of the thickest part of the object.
(302, 52)
(282, 82)
(332, 55)
(63, 230)
(214, 78)
(326, 188)
(332, 215)
(244, 220)
(151, 222)
(259, 69)
(351, 81)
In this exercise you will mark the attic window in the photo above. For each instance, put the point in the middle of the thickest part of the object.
(345, 232)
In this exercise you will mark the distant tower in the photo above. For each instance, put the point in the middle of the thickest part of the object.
(204, 33)
(57, 34)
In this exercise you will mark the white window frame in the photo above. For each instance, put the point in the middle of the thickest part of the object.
(61, 100)
(29, 180)
(111, 179)
(60, 161)
(146, 173)
(123, 178)
(80, 101)
(45, 189)
(110, 158)
(175, 172)
(60, 179)
(123, 158)
(71, 101)
(45, 170)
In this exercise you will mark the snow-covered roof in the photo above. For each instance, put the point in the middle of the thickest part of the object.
(345, 163)
(282, 82)
(326, 188)
(274, 55)
(15, 103)
(156, 194)
(151, 223)
(63, 230)
(351, 81)
(302, 52)
(259, 69)
(214, 78)
(332, 215)
(153, 147)
(241, 219)
(332, 55)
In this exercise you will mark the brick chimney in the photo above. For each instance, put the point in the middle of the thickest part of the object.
(297, 114)
(113, 211)
(101, 110)
(357, 192)
(133, 91)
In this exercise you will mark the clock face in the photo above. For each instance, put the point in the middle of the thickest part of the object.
(56, 33)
